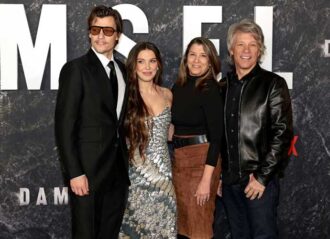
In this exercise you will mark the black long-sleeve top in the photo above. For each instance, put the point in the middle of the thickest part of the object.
(199, 111)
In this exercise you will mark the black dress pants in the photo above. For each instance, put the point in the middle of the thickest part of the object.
(99, 215)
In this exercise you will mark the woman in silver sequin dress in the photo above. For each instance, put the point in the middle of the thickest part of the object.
(151, 210)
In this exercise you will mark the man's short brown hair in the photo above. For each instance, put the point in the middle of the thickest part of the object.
(103, 11)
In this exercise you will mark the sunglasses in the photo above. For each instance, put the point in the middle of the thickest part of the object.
(107, 31)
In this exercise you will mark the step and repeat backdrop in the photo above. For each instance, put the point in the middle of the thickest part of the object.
(38, 36)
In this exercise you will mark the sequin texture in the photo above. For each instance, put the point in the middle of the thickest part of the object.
(151, 208)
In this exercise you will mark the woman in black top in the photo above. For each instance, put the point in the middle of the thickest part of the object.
(197, 116)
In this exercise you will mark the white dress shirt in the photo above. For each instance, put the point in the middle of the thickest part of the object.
(121, 83)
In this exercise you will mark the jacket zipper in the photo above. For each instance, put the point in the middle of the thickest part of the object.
(239, 127)
(225, 120)
(238, 132)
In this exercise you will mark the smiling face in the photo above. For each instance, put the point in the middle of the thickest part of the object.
(197, 60)
(146, 65)
(245, 52)
(101, 43)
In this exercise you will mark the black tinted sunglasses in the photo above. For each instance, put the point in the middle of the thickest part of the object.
(107, 31)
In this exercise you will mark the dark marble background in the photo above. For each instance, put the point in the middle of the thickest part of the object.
(28, 157)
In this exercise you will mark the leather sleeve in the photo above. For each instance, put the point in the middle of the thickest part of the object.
(281, 131)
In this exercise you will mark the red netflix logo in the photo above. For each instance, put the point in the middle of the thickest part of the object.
(293, 149)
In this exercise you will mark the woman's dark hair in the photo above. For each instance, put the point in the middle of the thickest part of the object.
(136, 122)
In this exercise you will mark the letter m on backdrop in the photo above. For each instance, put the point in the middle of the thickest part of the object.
(15, 36)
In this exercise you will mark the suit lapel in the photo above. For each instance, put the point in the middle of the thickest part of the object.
(123, 109)
(99, 75)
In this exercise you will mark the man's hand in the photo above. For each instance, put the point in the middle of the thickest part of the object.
(79, 185)
(254, 189)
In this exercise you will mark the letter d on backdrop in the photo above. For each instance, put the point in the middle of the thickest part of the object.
(24, 196)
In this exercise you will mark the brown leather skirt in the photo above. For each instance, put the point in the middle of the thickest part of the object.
(194, 221)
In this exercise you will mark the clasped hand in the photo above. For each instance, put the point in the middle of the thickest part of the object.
(79, 185)
(254, 189)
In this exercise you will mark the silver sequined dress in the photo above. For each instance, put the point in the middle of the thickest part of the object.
(151, 208)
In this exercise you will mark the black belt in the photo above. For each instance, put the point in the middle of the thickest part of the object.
(182, 142)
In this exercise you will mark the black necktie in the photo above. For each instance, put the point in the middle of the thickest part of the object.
(114, 81)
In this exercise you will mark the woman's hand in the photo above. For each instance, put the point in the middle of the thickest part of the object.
(170, 132)
(203, 192)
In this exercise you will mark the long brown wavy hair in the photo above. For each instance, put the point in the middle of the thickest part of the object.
(214, 63)
(137, 111)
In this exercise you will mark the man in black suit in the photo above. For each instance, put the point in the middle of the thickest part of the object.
(88, 128)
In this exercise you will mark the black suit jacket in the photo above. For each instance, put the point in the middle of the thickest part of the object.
(89, 135)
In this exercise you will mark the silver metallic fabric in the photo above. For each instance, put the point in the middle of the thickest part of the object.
(151, 208)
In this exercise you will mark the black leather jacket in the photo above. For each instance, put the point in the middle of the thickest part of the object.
(264, 125)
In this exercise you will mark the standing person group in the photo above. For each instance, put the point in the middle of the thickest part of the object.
(112, 128)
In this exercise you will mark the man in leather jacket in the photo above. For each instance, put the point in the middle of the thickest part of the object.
(258, 132)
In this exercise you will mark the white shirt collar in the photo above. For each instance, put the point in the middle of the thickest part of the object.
(121, 82)
(104, 60)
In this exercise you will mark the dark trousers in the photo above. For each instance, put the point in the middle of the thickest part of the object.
(252, 219)
(99, 215)
(220, 224)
